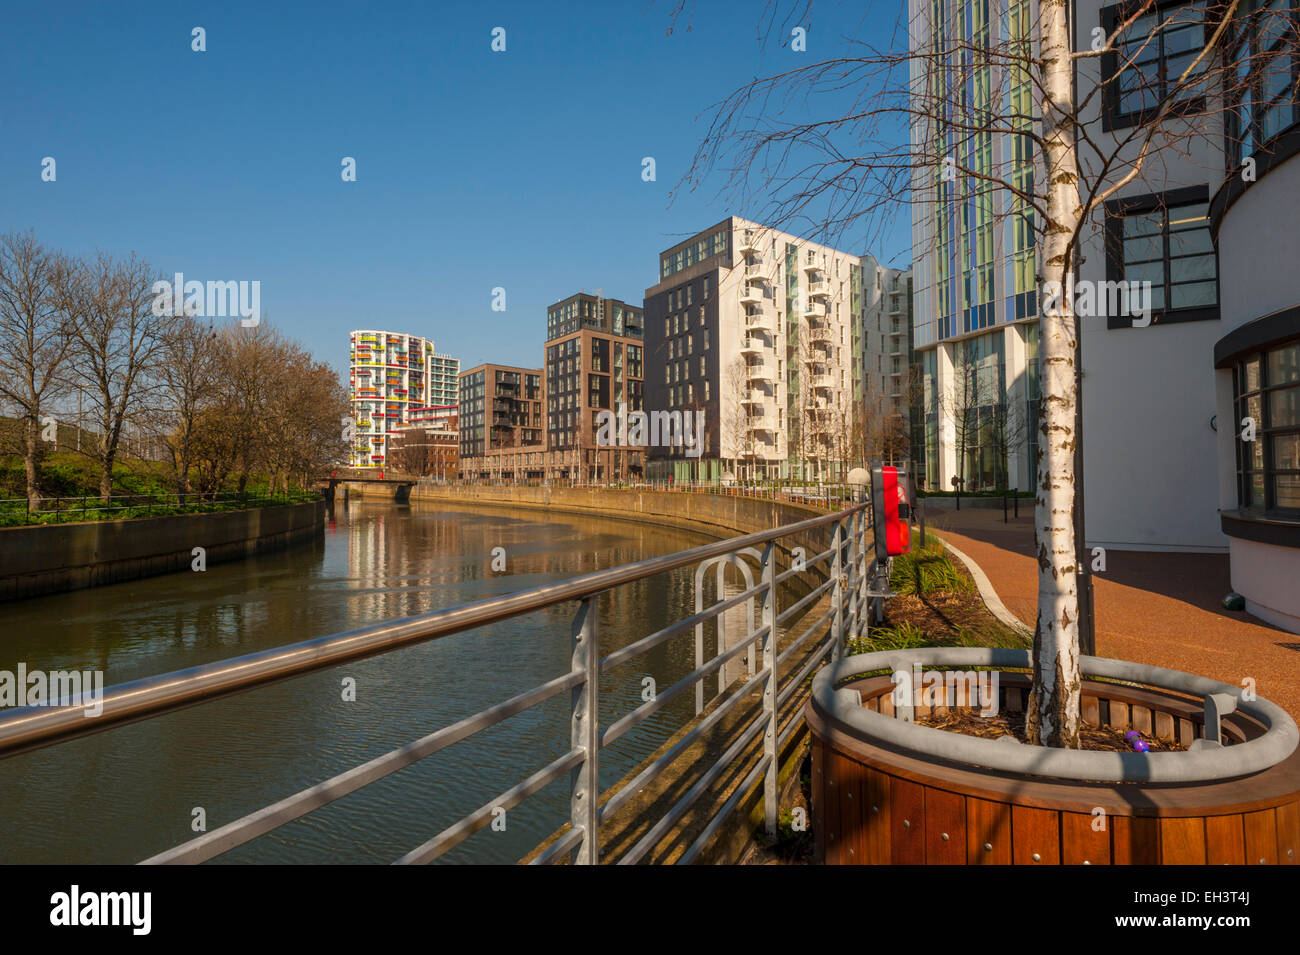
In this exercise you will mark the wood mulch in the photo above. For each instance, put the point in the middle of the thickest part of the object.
(1101, 738)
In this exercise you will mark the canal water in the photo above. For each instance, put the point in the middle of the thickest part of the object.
(128, 793)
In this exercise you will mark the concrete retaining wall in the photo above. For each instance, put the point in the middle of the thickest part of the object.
(52, 558)
(726, 515)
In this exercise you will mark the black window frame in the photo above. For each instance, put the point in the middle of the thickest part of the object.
(1251, 20)
(1265, 431)
(1112, 117)
(1117, 210)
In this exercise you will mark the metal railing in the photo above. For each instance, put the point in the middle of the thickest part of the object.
(18, 512)
(836, 581)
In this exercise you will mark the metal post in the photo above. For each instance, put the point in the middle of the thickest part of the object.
(770, 790)
(837, 591)
(854, 607)
(720, 594)
(585, 732)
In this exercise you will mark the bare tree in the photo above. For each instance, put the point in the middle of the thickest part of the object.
(188, 366)
(915, 124)
(35, 343)
(735, 403)
(118, 341)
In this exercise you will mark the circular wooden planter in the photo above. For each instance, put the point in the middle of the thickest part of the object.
(878, 803)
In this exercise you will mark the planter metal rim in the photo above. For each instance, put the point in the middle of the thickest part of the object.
(1278, 742)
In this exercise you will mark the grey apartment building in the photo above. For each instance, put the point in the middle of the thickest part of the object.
(501, 423)
(594, 364)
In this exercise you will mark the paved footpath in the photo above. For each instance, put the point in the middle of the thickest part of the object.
(1156, 608)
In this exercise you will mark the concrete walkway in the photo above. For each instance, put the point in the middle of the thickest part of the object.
(1156, 608)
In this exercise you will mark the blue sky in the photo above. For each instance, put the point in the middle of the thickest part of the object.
(475, 169)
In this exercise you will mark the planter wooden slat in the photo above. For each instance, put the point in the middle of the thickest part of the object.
(906, 823)
(875, 803)
(1261, 837)
(1288, 833)
(988, 837)
(850, 775)
(1225, 840)
(818, 801)
(1182, 841)
(1134, 840)
(1035, 832)
(1165, 726)
(945, 828)
(1141, 716)
(830, 814)
(1081, 842)
(1119, 715)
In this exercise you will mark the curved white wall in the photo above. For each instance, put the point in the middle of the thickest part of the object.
(1259, 273)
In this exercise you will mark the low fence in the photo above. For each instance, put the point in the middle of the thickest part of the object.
(18, 512)
(45, 559)
(758, 716)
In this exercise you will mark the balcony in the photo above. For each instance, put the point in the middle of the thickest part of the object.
(760, 422)
(759, 269)
(753, 345)
(763, 370)
(760, 317)
(815, 311)
(756, 396)
(749, 239)
(823, 382)
(812, 264)
(752, 294)
(821, 334)
(819, 288)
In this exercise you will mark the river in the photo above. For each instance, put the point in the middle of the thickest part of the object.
(125, 794)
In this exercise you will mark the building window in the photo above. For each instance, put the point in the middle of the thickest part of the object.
(1266, 386)
(1155, 51)
(1163, 239)
(1262, 92)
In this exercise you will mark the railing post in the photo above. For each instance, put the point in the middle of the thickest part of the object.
(584, 803)
(770, 790)
(853, 582)
(837, 591)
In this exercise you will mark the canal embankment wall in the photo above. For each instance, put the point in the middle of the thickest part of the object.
(721, 514)
(51, 558)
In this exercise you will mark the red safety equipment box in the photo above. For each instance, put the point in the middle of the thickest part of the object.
(891, 511)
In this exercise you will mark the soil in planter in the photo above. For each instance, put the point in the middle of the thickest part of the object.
(1102, 738)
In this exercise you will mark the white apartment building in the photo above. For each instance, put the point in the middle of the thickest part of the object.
(754, 328)
(393, 374)
(1165, 397)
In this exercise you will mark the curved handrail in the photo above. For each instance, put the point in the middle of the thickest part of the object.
(1277, 743)
(33, 727)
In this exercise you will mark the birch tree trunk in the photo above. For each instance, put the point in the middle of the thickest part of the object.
(1053, 718)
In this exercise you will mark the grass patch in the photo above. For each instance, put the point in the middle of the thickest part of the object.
(929, 571)
(938, 605)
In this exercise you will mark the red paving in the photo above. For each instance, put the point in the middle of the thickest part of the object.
(1160, 609)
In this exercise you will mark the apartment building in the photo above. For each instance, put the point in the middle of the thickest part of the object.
(752, 329)
(884, 380)
(1166, 398)
(429, 445)
(391, 373)
(501, 423)
(444, 380)
(595, 353)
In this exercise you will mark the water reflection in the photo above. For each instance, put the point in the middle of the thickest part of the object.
(128, 793)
